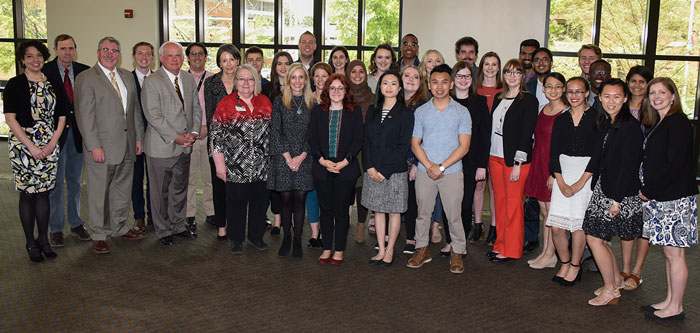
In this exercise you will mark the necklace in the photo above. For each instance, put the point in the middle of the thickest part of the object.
(297, 106)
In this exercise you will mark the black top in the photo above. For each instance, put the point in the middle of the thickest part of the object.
(480, 145)
(667, 164)
(616, 159)
(51, 71)
(349, 142)
(386, 142)
(571, 140)
(17, 100)
(518, 127)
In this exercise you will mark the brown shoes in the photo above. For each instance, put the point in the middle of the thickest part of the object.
(456, 264)
(100, 246)
(140, 226)
(132, 235)
(421, 257)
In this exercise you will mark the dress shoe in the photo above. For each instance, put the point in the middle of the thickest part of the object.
(315, 243)
(653, 316)
(557, 278)
(56, 239)
(422, 256)
(80, 232)
(191, 224)
(499, 259)
(491, 238)
(221, 238)
(286, 246)
(336, 261)
(259, 244)
(35, 253)
(324, 260)
(211, 219)
(236, 247)
(275, 231)
(649, 308)
(477, 233)
(100, 246)
(167, 240)
(385, 264)
(374, 261)
(444, 253)
(376, 246)
(132, 235)
(409, 249)
(297, 252)
(491, 254)
(567, 283)
(549, 264)
(529, 246)
(140, 225)
(187, 234)
(47, 251)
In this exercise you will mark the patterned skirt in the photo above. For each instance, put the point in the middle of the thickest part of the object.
(389, 196)
(567, 213)
(672, 223)
(627, 224)
(32, 175)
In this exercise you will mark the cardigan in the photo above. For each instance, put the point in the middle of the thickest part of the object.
(386, 142)
(667, 164)
(16, 99)
(349, 142)
(518, 127)
(480, 145)
(571, 140)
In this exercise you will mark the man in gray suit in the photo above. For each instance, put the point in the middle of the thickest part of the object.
(106, 108)
(171, 106)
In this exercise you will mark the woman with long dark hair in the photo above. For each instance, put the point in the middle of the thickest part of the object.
(339, 59)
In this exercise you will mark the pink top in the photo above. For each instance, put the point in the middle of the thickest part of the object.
(197, 79)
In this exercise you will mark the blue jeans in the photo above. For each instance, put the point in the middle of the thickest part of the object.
(437, 213)
(70, 168)
(137, 200)
(312, 209)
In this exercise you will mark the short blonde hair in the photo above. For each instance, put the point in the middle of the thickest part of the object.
(253, 71)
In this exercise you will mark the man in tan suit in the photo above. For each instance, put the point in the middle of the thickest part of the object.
(171, 106)
(106, 105)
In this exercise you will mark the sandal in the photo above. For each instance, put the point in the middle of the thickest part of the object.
(635, 280)
(371, 229)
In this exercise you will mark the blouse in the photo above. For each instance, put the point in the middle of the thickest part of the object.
(571, 140)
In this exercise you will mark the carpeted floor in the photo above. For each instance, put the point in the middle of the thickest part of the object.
(199, 285)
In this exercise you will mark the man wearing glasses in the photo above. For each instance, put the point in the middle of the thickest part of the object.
(542, 65)
(599, 73)
(409, 51)
(199, 159)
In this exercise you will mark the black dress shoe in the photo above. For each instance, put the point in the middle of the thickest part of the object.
(236, 247)
(297, 252)
(374, 262)
(445, 253)
(557, 279)
(383, 263)
(491, 254)
(275, 231)
(222, 238)
(286, 246)
(497, 259)
(167, 240)
(259, 244)
(530, 246)
(654, 317)
(35, 253)
(187, 234)
(47, 251)
(649, 308)
(191, 224)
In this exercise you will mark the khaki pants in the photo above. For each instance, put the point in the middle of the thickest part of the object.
(199, 164)
(451, 189)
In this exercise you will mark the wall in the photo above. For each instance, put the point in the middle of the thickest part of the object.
(498, 25)
(90, 20)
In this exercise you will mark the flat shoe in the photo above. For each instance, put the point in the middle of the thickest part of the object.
(653, 316)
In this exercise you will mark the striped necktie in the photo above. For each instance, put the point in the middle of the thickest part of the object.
(116, 86)
(179, 93)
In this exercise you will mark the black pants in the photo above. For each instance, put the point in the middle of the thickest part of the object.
(412, 212)
(218, 188)
(275, 202)
(246, 199)
(467, 201)
(333, 197)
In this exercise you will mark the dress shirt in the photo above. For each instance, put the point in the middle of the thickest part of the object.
(120, 83)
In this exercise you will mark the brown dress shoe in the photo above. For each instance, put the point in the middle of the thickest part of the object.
(131, 234)
(456, 264)
(100, 246)
(419, 258)
(140, 226)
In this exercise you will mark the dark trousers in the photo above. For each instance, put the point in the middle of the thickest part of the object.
(467, 201)
(532, 220)
(412, 212)
(275, 202)
(246, 199)
(137, 199)
(333, 197)
(218, 188)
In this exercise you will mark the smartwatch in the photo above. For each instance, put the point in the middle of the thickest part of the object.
(442, 168)
(518, 163)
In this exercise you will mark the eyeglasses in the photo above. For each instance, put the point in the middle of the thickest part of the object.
(197, 54)
(112, 51)
(513, 73)
(575, 92)
(463, 76)
(244, 79)
(601, 73)
(550, 87)
(409, 44)
(336, 89)
(545, 59)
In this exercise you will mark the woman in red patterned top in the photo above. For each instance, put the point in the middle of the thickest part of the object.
(240, 132)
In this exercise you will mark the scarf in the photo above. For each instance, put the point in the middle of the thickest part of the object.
(360, 92)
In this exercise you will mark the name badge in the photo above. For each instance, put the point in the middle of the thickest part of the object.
(240, 108)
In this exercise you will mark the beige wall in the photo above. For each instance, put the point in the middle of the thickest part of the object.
(498, 25)
(90, 20)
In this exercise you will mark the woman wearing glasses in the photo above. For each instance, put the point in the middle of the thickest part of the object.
(513, 123)
(573, 141)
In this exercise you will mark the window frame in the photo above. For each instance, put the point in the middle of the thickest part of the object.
(18, 29)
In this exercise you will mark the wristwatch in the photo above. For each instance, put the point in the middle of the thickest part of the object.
(518, 163)
(442, 168)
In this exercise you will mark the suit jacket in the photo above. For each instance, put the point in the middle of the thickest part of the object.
(387, 142)
(167, 117)
(349, 142)
(518, 126)
(53, 74)
(100, 115)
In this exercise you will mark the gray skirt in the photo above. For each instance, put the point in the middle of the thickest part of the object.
(389, 196)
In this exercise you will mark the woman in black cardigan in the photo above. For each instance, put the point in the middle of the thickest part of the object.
(668, 182)
(513, 124)
(35, 115)
(614, 209)
(388, 130)
(335, 138)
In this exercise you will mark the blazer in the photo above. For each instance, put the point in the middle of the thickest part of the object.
(617, 164)
(478, 155)
(167, 117)
(100, 115)
(16, 99)
(214, 92)
(518, 127)
(667, 163)
(52, 73)
(350, 142)
(386, 143)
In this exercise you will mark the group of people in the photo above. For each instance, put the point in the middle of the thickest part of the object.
(413, 141)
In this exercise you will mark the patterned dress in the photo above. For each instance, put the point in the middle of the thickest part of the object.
(32, 175)
(289, 133)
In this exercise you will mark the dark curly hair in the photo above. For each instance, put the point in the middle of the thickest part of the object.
(22, 49)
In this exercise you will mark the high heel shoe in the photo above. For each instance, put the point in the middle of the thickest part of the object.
(557, 278)
(47, 251)
(606, 297)
(549, 264)
(35, 253)
(477, 233)
(567, 283)
(324, 260)
(491, 238)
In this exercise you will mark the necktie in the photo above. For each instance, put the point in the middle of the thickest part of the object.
(116, 86)
(179, 93)
(68, 86)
